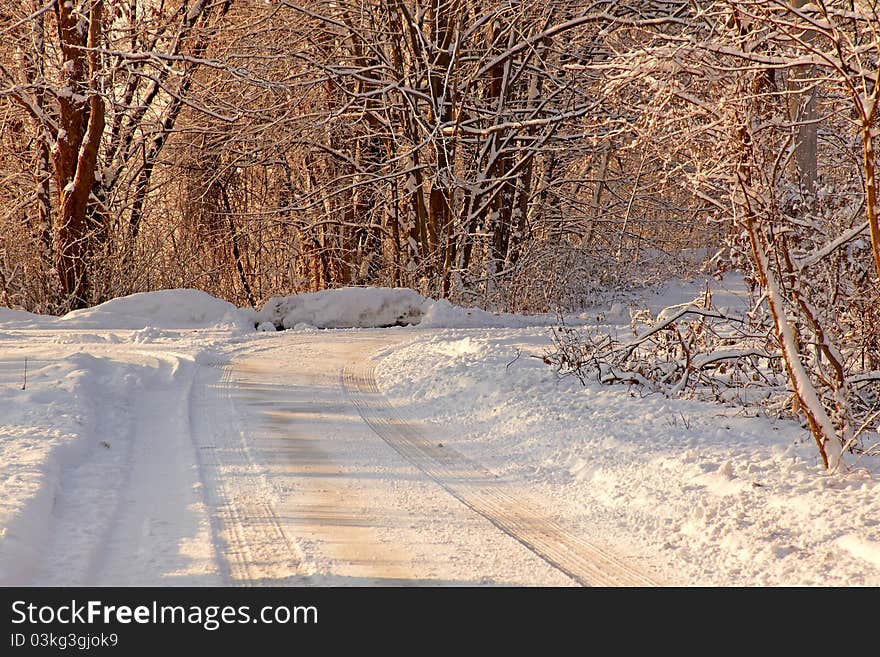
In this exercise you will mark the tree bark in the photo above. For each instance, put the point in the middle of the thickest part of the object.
(803, 114)
(75, 154)
(871, 209)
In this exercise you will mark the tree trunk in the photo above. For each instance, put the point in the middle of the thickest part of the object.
(871, 191)
(75, 154)
(803, 115)
(809, 403)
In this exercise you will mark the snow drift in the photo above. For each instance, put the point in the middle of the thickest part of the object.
(167, 309)
(379, 307)
(347, 307)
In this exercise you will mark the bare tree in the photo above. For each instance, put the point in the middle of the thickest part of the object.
(103, 93)
(746, 104)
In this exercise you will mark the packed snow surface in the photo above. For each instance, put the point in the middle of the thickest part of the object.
(106, 435)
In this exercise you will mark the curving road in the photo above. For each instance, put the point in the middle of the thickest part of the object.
(315, 478)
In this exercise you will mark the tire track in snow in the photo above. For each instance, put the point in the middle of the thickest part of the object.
(484, 493)
(253, 547)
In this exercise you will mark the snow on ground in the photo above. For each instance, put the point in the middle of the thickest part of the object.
(71, 392)
(354, 307)
(98, 435)
(164, 309)
(721, 496)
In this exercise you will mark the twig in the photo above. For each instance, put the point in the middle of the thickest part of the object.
(687, 424)
(865, 425)
(24, 385)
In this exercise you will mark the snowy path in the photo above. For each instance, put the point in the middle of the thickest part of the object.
(129, 510)
(159, 529)
(484, 493)
(347, 508)
(158, 439)
(250, 541)
(188, 460)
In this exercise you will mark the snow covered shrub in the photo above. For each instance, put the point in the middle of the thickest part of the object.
(766, 114)
(694, 349)
(817, 279)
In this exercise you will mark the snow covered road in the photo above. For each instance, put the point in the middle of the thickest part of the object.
(159, 440)
(360, 510)
(482, 491)
(194, 462)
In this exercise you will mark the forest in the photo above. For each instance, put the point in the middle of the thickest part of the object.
(518, 156)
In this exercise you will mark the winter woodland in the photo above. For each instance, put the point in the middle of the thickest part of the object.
(516, 156)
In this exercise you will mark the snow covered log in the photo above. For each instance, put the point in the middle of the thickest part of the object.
(347, 307)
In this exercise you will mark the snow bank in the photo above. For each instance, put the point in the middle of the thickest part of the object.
(169, 309)
(20, 318)
(162, 309)
(347, 307)
(442, 314)
(377, 307)
(718, 495)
